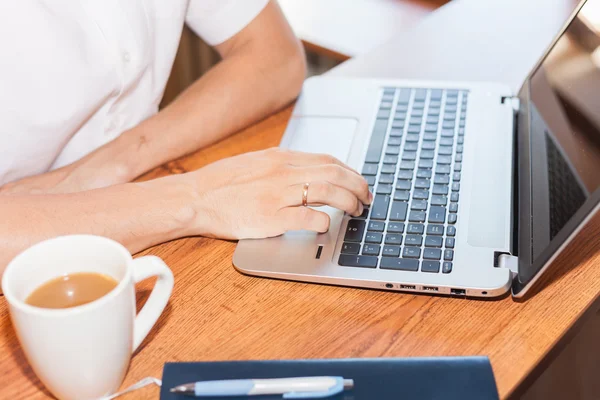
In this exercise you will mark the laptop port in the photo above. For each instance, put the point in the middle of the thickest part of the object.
(458, 292)
(389, 285)
(430, 288)
(409, 287)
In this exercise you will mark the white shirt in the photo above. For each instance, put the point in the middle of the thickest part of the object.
(74, 74)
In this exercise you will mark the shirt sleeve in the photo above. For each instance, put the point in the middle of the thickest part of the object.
(215, 21)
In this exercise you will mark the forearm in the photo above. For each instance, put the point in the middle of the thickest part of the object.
(237, 92)
(138, 215)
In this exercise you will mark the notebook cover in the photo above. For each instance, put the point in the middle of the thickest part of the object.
(456, 378)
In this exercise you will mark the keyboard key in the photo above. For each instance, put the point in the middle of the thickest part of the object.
(448, 124)
(438, 200)
(440, 189)
(430, 266)
(407, 165)
(446, 267)
(412, 137)
(417, 113)
(444, 160)
(441, 179)
(414, 129)
(371, 249)
(400, 116)
(450, 107)
(433, 241)
(405, 174)
(419, 205)
(386, 105)
(453, 207)
(428, 145)
(451, 231)
(437, 215)
(425, 163)
(376, 226)
(430, 136)
(370, 179)
(450, 116)
(401, 195)
(458, 158)
(402, 108)
(415, 120)
(377, 139)
(390, 159)
(454, 196)
(393, 141)
(452, 219)
(401, 264)
(391, 251)
(455, 186)
(393, 150)
(399, 209)
(448, 255)
(411, 252)
(451, 100)
(404, 96)
(373, 237)
(355, 230)
(424, 173)
(411, 146)
(459, 148)
(417, 216)
(399, 125)
(422, 183)
(430, 254)
(370, 169)
(384, 188)
(452, 93)
(381, 203)
(456, 176)
(395, 227)
(458, 167)
(436, 230)
(388, 169)
(445, 150)
(417, 229)
(350, 248)
(431, 127)
(460, 140)
(393, 238)
(436, 94)
(446, 141)
(447, 133)
(386, 178)
(409, 155)
(413, 240)
(418, 105)
(433, 111)
(348, 260)
(364, 214)
(442, 169)
(420, 94)
(450, 243)
(383, 114)
(396, 132)
(427, 154)
(421, 194)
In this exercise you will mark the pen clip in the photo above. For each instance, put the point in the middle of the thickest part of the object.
(332, 391)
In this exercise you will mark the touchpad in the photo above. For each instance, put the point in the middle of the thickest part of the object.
(321, 135)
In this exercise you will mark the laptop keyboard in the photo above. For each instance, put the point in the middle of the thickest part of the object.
(413, 166)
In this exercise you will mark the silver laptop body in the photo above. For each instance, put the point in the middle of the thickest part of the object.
(441, 160)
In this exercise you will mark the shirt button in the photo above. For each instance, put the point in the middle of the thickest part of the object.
(126, 57)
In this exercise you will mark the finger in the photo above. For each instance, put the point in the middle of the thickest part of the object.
(326, 193)
(338, 176)
(301, 159)
(303, 218)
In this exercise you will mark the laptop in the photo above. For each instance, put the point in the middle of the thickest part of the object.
(476, 189)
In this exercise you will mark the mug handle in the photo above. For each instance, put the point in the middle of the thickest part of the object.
(143, 268)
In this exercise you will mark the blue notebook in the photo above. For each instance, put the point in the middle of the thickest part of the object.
(456, 378)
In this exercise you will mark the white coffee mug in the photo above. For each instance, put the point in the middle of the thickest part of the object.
(83, 352)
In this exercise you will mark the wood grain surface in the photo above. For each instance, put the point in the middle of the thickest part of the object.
(216, 313)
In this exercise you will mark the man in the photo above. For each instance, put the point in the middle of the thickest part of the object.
(80, 84)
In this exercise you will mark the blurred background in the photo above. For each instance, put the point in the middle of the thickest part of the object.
(329, 36)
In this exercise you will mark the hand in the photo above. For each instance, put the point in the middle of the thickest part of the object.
(258, 195)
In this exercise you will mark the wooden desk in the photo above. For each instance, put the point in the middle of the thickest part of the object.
(218, 314)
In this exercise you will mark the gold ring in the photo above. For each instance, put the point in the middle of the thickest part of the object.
(305, 194)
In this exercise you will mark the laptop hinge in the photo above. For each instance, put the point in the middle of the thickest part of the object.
(509, 261)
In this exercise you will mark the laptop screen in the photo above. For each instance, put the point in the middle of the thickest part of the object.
(564, 126)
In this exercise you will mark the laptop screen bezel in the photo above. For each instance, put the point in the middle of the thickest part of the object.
(529, 269)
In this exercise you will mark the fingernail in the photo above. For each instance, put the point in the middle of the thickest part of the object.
(361, 208)
(370, 197)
